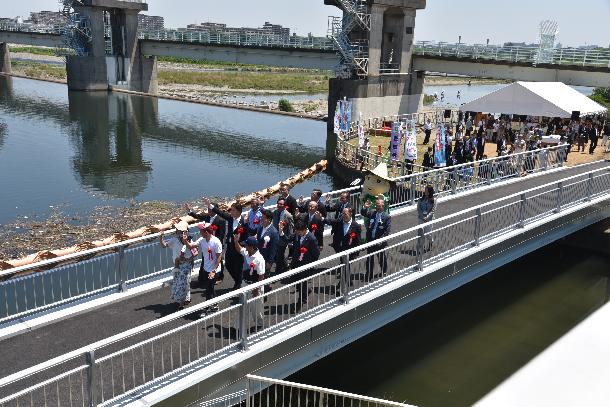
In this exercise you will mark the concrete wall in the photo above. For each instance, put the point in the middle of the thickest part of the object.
(87, 73)
(570, 75)
(5, 58)
(286, 57)
(34, 39)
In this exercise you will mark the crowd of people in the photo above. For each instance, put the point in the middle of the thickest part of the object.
(253, 245)
(465, 143)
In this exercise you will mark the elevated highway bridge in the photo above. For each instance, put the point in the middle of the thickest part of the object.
(573, 66)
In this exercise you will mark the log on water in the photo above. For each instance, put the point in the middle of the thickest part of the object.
(152, 229)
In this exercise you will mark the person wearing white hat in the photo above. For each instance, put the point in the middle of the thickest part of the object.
(184, 258)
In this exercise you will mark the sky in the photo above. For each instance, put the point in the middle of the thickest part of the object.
(443, 20)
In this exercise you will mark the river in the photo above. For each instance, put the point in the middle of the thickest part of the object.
(79, 150)
(458, 348)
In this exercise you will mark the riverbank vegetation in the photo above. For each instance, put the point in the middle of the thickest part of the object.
(38, 70)
(297, 82)
(601, 96)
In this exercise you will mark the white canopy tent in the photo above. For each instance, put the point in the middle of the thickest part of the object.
(546, 99)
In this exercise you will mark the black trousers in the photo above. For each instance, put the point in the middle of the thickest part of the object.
(381, 257)
(592, 146)
(209, 284)
(234, 262)
(280, 259)
(427, 138)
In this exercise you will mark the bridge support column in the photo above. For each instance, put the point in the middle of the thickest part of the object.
(113, 56)
(379, 96)
(5, 58)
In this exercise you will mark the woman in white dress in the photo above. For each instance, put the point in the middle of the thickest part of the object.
(184, 257)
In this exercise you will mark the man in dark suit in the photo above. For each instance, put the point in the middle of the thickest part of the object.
(268, 240)
(219, 229)
(315, 222)
(379, 227)
(233, 259)
(282, 216)
(289, 200)
(338, 207)
(315, 196)
(306, 251)
(347, 232)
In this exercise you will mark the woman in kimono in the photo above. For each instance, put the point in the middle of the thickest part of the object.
(183, 257)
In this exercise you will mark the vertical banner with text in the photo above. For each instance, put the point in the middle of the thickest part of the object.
(395, 141)
(439, 146)
(410, 152)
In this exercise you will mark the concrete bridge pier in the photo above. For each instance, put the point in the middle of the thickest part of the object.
(114, 56)
(5, 58)
(390, 86)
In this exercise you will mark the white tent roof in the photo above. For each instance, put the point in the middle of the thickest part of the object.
(547, 99)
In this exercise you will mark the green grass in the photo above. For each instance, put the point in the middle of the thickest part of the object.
(231, 66)
(298, 82)
(39, 71)
(35, 50)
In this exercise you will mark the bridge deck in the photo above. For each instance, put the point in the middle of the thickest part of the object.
(40, 345)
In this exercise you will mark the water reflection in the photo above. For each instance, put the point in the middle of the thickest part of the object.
(107, 137)
(104, 148)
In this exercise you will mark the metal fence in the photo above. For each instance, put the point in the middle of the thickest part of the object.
(262, 391)
(119, 267)
(185, 341)
(598, 57)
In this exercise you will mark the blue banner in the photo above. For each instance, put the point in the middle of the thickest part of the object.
(396, 141)
(439, 147)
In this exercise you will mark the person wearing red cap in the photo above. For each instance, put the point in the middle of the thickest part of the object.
(211, 255)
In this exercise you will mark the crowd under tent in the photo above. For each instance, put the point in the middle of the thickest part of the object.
(543, 99)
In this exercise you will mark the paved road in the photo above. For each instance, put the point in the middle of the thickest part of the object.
(40, 345)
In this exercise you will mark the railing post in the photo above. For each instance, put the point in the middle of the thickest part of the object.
(248, 392)
(413, 188)
(420, 249)
(346, 277)
(544, 160)
(477, 227)
(92, 374)
(590, 187)
(453, 182)
(562, 156)
(522, 211)
(559, 197)
(243, 321)
(122, 270)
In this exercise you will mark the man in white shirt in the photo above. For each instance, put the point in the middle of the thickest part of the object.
(253, 271)
(210, 248)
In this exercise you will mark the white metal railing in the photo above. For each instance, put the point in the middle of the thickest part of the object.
(263, 391)
(599, 57)
(117, 267)
(125, 362)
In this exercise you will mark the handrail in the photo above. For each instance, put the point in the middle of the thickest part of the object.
(338, 393)
(243, 291)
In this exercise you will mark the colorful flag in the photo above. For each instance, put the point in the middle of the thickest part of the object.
(439, 146)
(360, 134)
(410, 152)
(395, 141)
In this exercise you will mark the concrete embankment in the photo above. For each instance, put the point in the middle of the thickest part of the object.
(595, 238)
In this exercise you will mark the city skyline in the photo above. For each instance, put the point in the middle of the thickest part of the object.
(473, 20)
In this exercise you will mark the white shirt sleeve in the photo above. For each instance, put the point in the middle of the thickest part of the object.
(218, 247)
(243, 252)
(260, 266)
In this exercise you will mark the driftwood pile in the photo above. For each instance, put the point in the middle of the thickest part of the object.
(152, 229)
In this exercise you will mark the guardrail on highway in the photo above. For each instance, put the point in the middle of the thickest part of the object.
(599, 57)
(114, 367)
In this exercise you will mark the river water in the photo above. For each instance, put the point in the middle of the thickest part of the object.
(80, 150)
(458, 348)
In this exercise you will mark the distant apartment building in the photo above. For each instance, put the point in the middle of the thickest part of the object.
(46, 18)
(267, 29)
(150, 23)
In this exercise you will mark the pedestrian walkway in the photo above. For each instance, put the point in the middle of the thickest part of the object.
(40, 345)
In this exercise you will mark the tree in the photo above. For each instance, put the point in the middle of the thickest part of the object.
(285, 106)
(601, 96)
